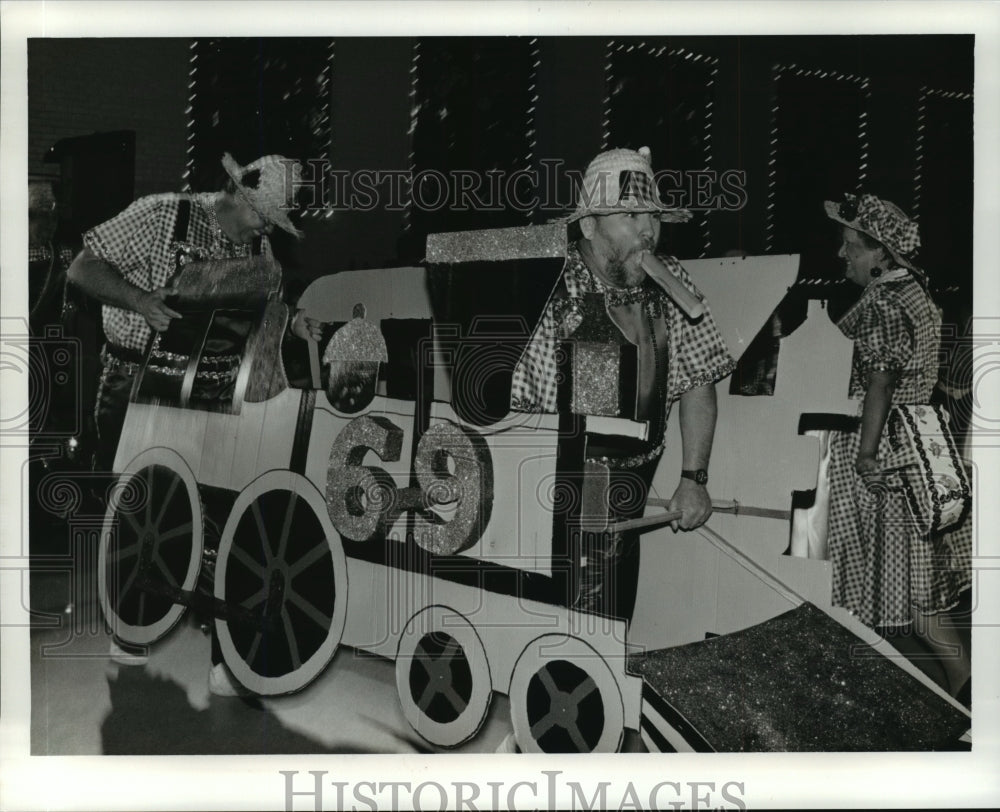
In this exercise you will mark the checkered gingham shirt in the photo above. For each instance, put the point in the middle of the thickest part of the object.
(698, 352)
(139, 243)
(896, 327)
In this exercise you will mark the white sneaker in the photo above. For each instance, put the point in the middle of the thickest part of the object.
(508, 745)
(127, 655)
(221, 682)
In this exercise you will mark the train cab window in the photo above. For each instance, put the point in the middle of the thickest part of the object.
(408, 343)
(484, 313)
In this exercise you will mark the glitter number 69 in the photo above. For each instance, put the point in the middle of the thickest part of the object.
(466, 492)
(361, 498)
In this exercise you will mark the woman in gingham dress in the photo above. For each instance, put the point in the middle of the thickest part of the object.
(885, 570)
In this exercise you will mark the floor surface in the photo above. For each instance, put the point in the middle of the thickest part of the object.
(82, 703)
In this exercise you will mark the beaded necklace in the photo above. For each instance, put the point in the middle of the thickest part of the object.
(220, 238)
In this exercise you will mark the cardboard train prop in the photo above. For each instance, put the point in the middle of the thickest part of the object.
(425, 522)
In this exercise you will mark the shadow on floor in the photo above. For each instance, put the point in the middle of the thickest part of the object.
(230, 725)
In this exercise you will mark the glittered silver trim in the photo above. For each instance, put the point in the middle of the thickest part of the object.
(213, 360)
(625, 296)
(178, 371)
(635, 461)
(705, 378)
(518, 404)
(357, 341)
(497, 244)
(110, 361)
(882, 366)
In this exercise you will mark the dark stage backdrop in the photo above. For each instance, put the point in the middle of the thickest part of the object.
(805, 118)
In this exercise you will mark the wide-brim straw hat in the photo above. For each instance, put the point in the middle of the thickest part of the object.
(881, 220)
(274, 194)
(622, 180)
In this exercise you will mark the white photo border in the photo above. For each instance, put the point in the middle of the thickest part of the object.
(791, 780)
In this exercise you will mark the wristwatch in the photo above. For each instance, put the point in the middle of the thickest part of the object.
(699, 475)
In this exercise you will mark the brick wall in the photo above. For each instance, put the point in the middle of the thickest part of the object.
(81, 86)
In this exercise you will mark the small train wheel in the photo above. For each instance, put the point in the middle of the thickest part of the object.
(151, 542)
(282, 566)
(564, 699)
(443, 676)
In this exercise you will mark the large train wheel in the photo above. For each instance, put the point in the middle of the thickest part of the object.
(151, 542)
(443, 676)
(565, 699)
(282, 564)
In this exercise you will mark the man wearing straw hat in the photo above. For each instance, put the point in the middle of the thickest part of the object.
(128, 262)
(653, 303)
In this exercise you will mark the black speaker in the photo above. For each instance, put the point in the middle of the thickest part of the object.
(97, 178)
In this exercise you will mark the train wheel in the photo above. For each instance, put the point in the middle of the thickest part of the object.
(281, 571)
(443, 676)
(565, 699)
(151, 544)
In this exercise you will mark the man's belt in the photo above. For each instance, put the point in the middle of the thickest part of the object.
(123, 354)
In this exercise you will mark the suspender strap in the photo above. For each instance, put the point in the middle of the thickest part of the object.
(182, 221)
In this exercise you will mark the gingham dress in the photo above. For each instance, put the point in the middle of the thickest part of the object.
(139, 243)
(883, 567)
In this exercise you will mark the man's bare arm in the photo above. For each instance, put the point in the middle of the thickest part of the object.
(698, 412)
(98, 279)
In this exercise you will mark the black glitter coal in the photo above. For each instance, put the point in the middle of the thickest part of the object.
(799, 682)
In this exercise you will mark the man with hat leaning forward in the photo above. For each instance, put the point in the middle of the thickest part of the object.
(128, 261)
(127, 264)
(680, 358)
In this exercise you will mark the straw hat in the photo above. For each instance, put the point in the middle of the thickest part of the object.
(881, 220)
(274, 193)
(621, 180)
